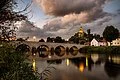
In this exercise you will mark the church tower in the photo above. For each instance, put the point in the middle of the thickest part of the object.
(81, 32)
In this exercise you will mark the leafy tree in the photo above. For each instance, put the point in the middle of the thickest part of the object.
(58, 39)
(74, 39)
(41, 40)
(110, 33)
(50, 39)
(8, 18)
(97, 36)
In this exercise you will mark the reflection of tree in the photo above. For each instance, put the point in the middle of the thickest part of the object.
(90, 63)
(98, 62)
(112, 69)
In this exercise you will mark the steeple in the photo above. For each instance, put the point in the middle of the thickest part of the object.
(81, 32)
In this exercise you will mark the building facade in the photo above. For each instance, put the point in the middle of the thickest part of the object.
(116, 42)
(95, 42)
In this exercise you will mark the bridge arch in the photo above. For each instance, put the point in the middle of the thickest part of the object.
(60, 50)
(23, 48)
(73, 50)
(43, 50)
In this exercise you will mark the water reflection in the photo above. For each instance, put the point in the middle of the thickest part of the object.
(112, 69)
(94, 57)
(89, 67)
(34, 64)
(82, 62)
(58, 61)
(67, 62)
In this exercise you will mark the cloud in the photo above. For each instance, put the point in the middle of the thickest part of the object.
(70, 15)
(86, 10)
(27, 29)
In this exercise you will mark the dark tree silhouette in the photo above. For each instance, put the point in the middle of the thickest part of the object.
(110, 33)
(50, 39)
(58, 39)
(8, 17)
(88, 31)
(41, 40)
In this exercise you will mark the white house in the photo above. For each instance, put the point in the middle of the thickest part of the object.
(116, 42)
(95, 42)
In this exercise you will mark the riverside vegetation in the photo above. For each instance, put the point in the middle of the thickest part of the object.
(15, 65)
(101, 49)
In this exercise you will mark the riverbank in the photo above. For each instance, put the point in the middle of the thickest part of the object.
(101, 49)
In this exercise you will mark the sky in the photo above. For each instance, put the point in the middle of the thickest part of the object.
(63, 18)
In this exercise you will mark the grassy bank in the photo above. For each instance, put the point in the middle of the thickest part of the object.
(101, 49)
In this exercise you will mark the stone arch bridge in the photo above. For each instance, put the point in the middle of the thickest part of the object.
(48, 47)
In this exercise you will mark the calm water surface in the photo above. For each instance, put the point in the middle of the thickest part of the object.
(82, 67)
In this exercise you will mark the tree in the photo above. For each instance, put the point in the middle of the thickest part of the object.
(41, 40)
(88, 31)
(50, 39)
(59, 39)
(110, 33)
(74, 39)
(8, 17)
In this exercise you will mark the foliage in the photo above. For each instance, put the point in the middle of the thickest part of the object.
(8, 18)
(50, 39)
(58, 39)
(41, 40)
(101, 49)
(6, 4)
(88, 31)
(74, 39)
(14, 66)
(110, 33)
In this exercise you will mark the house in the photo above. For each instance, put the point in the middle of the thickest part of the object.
(116, 42)
(96, 42)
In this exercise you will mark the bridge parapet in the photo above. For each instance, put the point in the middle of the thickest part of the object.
(50, 45)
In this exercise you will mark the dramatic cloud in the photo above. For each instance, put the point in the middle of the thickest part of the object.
(85, 10)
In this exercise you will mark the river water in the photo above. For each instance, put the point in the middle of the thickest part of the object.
(80, 67)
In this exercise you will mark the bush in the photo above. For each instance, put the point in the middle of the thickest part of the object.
(101, 49)
(13, 65)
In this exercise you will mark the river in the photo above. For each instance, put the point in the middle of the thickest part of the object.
(80, 67)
